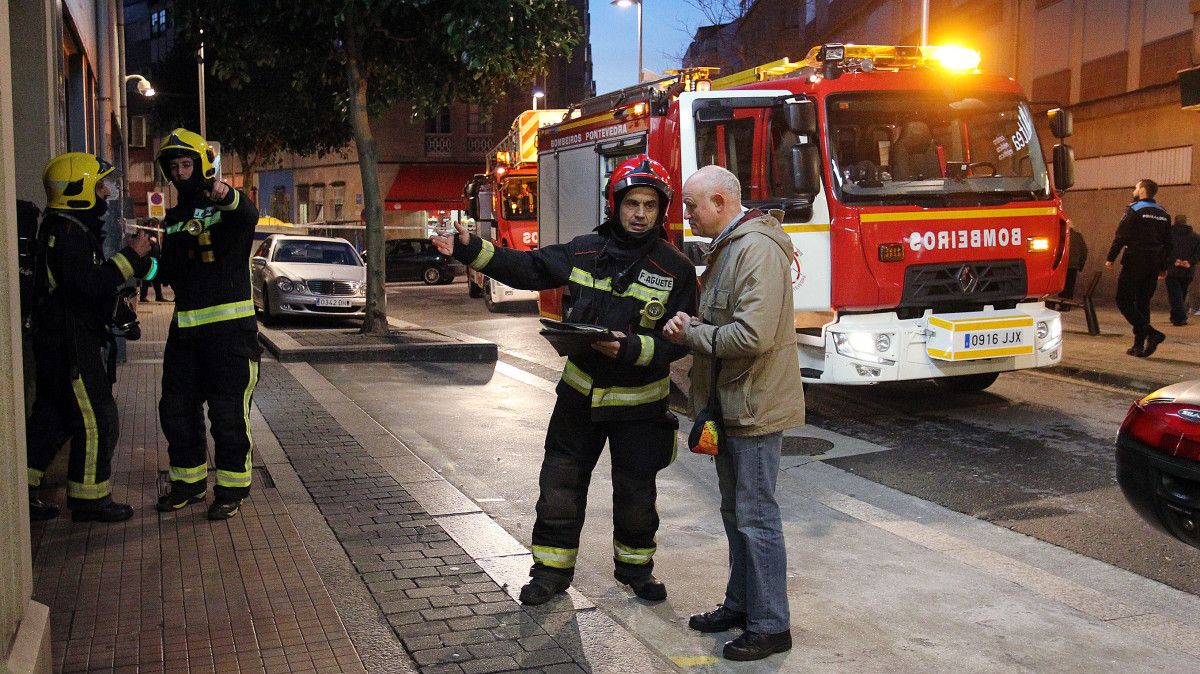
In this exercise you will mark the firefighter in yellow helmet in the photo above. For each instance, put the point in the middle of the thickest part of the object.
(75, 291)
(212, 350)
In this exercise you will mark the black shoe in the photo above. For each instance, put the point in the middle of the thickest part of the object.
(1134, 351)
(223, 509)
(645, 587)
(39, 510)
(542, 587)
(756, 646)
(106, 511)
(1152, 341)
(177, 498)
(720, 619)
(1179, 324)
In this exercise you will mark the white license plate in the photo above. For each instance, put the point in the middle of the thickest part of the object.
(332, 302)
(1016, 338)
(971, 336)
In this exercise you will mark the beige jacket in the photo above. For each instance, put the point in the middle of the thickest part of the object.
(747, 297)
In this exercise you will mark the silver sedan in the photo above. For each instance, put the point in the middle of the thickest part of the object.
(308, 276)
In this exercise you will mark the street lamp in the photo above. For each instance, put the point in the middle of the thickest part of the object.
(146, 89)
(143, 85)
(627, 3)
(537, 93)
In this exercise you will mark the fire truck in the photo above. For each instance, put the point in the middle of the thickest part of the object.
(926, 225)
(503, 202)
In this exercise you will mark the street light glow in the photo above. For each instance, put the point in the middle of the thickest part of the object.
(143, 85)
(626, 4)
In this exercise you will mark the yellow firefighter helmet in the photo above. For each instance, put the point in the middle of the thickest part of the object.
(184, 143)
(70, 180)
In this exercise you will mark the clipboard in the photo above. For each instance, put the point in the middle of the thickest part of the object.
(570, 339)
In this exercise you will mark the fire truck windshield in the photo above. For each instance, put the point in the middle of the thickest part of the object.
(898, 147)
(518, 195)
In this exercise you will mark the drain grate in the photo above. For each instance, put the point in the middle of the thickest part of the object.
(803, 446)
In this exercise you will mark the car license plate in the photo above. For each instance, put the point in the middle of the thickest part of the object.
(970, 336)
(332, 302)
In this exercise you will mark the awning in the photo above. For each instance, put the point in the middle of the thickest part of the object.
(429, 187)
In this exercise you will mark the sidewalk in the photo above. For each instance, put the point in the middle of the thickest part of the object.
(353, 555)
(1103, 359)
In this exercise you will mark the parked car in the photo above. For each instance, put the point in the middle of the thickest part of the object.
(308, 276)
(418, 260)
(1158, 459)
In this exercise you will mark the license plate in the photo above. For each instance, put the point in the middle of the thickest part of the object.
(332, 302)
(972, 337)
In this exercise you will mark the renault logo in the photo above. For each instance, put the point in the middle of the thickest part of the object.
(968, 279)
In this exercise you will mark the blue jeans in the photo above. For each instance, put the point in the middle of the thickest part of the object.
(747, 469)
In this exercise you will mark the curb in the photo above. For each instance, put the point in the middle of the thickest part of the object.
(1107, 378)
(416, 345)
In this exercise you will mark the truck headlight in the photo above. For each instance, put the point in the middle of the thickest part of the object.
(869, 346)
(1049, 334)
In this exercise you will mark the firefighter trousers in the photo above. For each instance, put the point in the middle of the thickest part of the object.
(220, 369)
(639, 449)
(73, 399)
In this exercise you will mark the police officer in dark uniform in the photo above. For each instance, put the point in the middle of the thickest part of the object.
(627, 278)
(212, 350)
(1145, 234)
(74, 293)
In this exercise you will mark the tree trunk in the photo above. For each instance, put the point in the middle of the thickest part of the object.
(376, 322)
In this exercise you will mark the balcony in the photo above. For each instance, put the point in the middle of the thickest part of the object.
(439, 144)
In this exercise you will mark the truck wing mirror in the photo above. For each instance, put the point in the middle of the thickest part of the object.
(801, 117)
(1060, 122)
(1064, 167)
(806, 169)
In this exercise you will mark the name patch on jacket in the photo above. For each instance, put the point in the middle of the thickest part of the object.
(656, 281)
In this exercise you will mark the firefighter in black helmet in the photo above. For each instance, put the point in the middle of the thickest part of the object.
(212, 350)
(627, 278)
(74, 293)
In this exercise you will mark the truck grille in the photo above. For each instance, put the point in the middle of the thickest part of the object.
(330, 288)
(964, 282)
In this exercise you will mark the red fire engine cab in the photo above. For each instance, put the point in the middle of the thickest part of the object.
(914, 187)
(503, 202)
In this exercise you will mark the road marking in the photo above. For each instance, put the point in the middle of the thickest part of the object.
(1153, 627)
(513, 372)
(694, 660)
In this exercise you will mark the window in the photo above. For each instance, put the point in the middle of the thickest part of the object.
(316, 252)
(729, 144)
(339, 198)
(477, 122)
(316, 200)
(263, 249)
(137, 131)
(520, 198)
(158, 22)
(438, 123)
(302, 203)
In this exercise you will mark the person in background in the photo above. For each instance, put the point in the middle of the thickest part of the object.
(1144, 234)
(746, 326)
(1185, 254)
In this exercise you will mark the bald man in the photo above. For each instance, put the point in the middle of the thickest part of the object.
(746, 324)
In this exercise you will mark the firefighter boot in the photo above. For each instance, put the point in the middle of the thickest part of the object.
(39, 510)
(177, 498)
(224, 508)
(99, 510)
(645, 586)
(542, 587)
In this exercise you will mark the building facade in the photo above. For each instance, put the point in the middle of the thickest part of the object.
(1113, 63)
(61, 89)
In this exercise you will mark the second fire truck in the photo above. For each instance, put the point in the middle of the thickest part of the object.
(914, 188)
(503, 202)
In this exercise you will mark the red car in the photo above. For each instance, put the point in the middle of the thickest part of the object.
(1158, 459)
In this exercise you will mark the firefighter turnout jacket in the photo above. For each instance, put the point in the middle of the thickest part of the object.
(75, 288)
(206, 248)
(630, 286)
